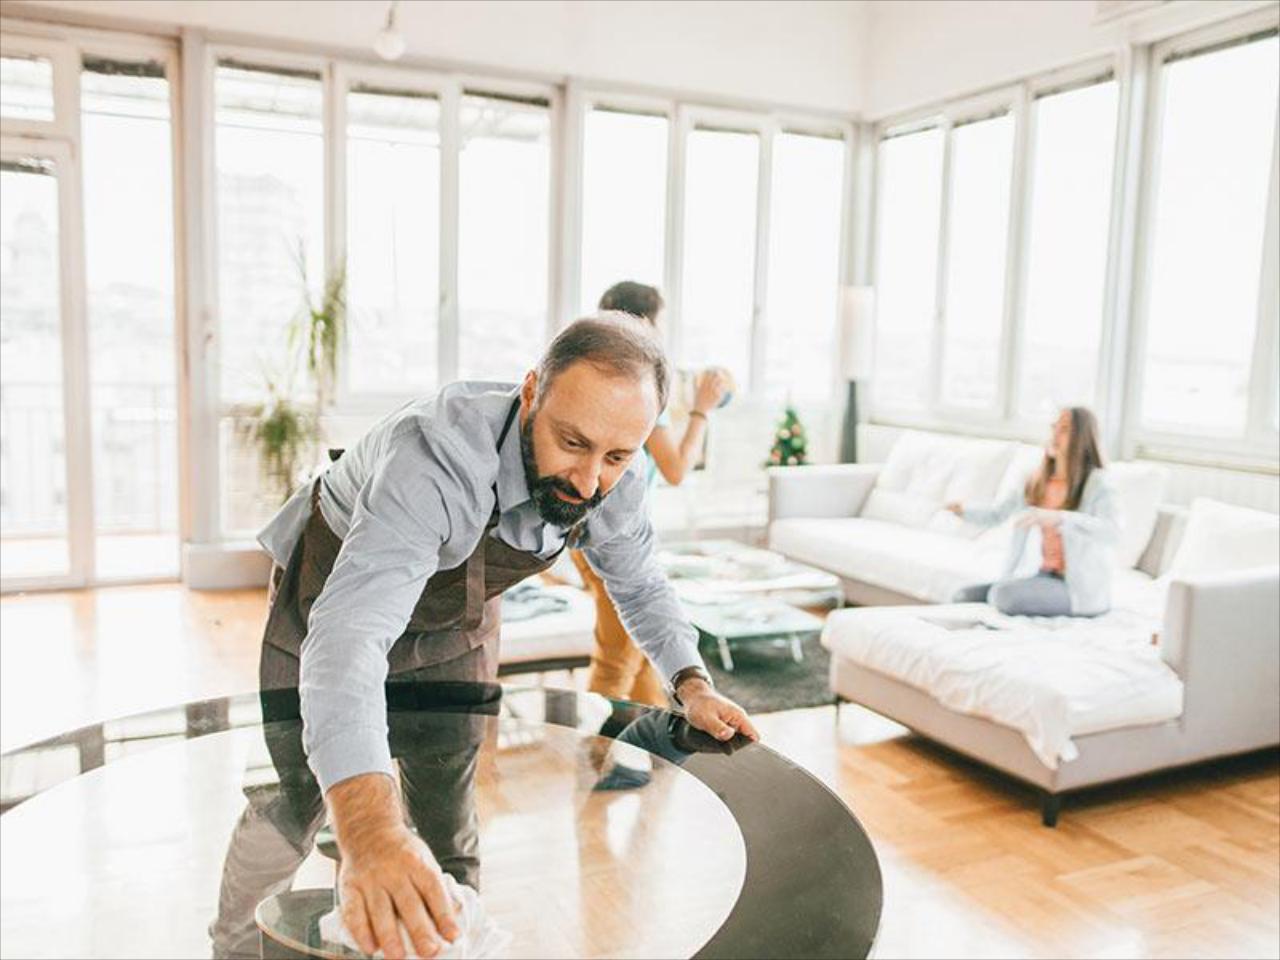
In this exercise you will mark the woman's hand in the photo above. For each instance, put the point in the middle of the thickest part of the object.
(955, 506)
(1039, 517)
(709, 389)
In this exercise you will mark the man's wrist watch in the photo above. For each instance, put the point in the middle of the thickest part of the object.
(688, 673)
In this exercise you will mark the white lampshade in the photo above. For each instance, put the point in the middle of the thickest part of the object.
(389, 44)
(857, 331)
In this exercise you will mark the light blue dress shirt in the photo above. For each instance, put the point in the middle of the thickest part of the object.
(414, 496)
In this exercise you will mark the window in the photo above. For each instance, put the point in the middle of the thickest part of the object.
(26, 88)
(977, 246)
(624, 201)
(33, 469)
(128, 233)
(270, 227)
(1070, 208)
(908, 208)
(504, 224)
(393, 241)
(1213, 171)
(804, 266)
(718, 278)
(270, 188)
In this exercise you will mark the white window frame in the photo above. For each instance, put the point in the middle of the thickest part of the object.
(222, 409)
(59, 140)
(64, 56)
(1076, 77)
(336, 76)
(582, 100)
(341, 76)
(481, 85)
(1259, 445)
(692, 117)
(937, 414)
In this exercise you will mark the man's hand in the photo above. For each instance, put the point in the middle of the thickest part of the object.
(712, 713)
(388, 875)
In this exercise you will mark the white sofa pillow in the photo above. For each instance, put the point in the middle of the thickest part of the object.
(1138, 488)
(1220, 538)
(893, 506)
(907, 461)
(1024, 461)
(924, 471)
(977, 470)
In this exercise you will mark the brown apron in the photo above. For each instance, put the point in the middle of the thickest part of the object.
(452, 633)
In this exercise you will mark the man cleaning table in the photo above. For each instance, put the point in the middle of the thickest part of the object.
(391, 565)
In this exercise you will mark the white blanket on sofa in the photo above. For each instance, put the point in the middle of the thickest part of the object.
(1049, 678)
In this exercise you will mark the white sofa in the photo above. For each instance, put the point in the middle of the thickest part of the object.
(1185, 667)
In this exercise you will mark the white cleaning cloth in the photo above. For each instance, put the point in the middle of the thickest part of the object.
(480, 938)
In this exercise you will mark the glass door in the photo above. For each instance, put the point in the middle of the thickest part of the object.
(44, 503)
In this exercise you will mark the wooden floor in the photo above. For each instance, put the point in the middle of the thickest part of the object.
(1181, 864)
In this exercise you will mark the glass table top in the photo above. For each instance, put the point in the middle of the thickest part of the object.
(589, 827)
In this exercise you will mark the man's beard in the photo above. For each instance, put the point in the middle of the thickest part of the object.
(551, 508)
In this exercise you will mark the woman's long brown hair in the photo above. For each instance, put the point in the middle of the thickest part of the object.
(1083, 457)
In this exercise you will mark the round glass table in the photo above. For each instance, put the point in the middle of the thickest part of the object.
(589, 827)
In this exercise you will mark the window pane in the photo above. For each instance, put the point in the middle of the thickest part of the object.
(26, 88)
(719, 250)
(504, 210)
(128, 224)
(624, 202)
(1213, 166)
(33, 468)
(804, 266)
(908, 204)
(978, 227)
(270, 157)
(1067, 248)
(393, 242)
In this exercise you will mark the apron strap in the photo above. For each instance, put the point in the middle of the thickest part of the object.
(475, 562)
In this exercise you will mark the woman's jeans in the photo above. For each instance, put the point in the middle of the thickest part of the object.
(1044, 595)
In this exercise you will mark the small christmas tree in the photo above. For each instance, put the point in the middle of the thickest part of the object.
(790, 442)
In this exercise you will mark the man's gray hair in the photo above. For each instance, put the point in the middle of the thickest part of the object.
(613, 341)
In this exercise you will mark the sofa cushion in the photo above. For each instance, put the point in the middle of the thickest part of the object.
(924, 471)
(918, 563)
(894, 506)
(1139, 488)
(1024, 460)
(1049, 678)
(1220, 538)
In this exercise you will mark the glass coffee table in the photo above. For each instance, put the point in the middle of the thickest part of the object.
(197, 830)
(714, 571)
(754, 621)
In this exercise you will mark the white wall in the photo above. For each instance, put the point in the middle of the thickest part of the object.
(923, 51)
(804, 53)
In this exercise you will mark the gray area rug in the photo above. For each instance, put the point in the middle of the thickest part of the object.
(765, 679)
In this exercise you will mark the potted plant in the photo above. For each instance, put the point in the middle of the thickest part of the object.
(285, 434)
(320, 327)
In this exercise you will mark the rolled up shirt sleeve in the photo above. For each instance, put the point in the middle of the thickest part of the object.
(646, 602)
(415, 499)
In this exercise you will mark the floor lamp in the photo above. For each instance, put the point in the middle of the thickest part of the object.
(857, 338)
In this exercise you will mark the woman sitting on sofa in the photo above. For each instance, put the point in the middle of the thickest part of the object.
(1059, 560)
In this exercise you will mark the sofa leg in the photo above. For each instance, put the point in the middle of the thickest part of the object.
(1050, 805)
(836, 701)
